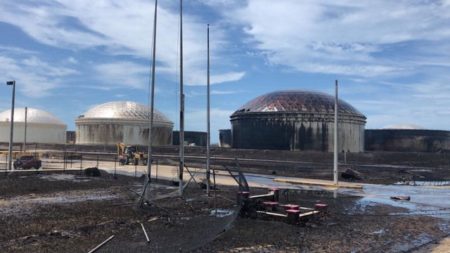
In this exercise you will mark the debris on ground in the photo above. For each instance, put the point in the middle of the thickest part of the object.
(351, 174)
(406, 198)
(92, 172)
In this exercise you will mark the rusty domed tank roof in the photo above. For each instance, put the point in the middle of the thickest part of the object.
(296, 101)
(123, 110)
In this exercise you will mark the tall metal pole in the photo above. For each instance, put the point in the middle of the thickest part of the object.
(152, 98)
(25, 130)
(208, 125)
(11, 133)
(335, 156)
(181, 165)
(152, 103)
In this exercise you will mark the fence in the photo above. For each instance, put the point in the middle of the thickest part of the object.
(62, 161)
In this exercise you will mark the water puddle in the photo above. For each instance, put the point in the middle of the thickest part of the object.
(426, 197)
(221, 213)
(424, 183)
(265, 181)
(422, 239)
(64, 177)
(26, 204)
(424, 200)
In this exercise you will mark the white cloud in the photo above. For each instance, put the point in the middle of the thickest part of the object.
(424, 103)
(403, 126)
(122, 74)
(45, 23)
(72, 60)
(34, 77)
(44, 68)
(213, 92)
(224, 92)
(446, 2)
(200, 78)
(120, 27)
(227, 77)
(350, 69)
(8, 50)
(341, 37)
(221, 3)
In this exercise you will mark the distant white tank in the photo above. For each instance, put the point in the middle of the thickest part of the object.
(122, 121)
(404, 126)
(42, 126)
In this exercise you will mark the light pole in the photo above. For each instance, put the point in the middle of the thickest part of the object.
(181, 164)
(335, 155)
(25, 130)
(208, 120)
(13, 83)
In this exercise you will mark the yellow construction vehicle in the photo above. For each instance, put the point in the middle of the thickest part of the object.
(130, 154)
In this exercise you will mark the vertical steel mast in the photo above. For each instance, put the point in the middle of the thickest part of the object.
(181, 165)
(208, 124)
(152, 103)
(335, 156)
(152, 98)
(25, 130)
(11, 130)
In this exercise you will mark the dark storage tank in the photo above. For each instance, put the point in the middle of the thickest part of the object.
(407, 140)
(297, 120)
(191, 138)
(225, 138)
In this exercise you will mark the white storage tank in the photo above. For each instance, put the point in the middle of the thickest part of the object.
(122, 122)
(42, 126)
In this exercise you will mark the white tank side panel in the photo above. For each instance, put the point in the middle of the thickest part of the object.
(103, 134)
(132, 135)
(35, 133)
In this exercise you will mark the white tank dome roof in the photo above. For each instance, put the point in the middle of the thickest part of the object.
(34, 116)
(123, 110)
(404, 127)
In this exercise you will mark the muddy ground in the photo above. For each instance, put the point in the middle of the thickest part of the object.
(56, 212)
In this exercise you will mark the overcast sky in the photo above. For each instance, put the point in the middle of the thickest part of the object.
(392, 58)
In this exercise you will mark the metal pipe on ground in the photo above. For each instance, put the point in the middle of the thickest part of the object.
(145, 233)
(101, 244)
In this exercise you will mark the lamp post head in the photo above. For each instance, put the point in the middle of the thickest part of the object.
(10, 82)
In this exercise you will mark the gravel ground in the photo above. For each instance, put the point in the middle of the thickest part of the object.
(72, 213)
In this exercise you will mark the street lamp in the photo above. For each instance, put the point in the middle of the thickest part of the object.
(13, 83)
(25, 130)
